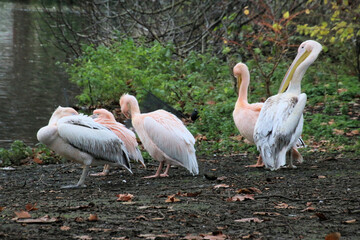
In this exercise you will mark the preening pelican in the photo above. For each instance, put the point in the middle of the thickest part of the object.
(78, 138)
(245, 115)
(106, 118)
(163, 135)
(281, 119)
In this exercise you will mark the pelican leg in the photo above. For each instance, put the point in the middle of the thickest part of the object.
(105, 171)
(290, 154)
(80, 184)
(258, 164)
(296, 155)
(157, 174)
(165, 174)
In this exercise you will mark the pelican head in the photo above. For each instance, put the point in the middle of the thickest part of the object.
(126, 103)
(103, 114)
(238, 70)
(307, 54)
(61, 112)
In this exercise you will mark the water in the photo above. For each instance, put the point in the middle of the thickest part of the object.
(31, 84)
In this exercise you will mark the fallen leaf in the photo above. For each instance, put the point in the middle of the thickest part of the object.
(321, 216)
(79, 219)
(333, 236)
(267, 213)
(94, 229)
(308, 204)
(22, 214)
(2, 208)
(195, 194)
(38, 160)
(142, 217)
(221, 186)
(171, 199)
(221, 178)
(350, 221)
(192, 237)
(93, 218)
(64, 228)
(249, 220)
(125, 197)
(341, 90)
(321, 177)
(30, 207)
(44, 219)
(308, 209)
(248, 190)
(282, 205)
(241, 198)
(338, 131)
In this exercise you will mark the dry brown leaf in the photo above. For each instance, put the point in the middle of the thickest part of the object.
(321, 177)
(64, 228)
(221, 186)
(79, 219)
(350, 221)
(221, 178)
(241, 197)
(195, 194)
(308, 204)
(248, 190)
(333, 236)
(93, 218)
(142, 217)
(321, 216)
(341, 90)
(37, 160)
(267, 213)
(30, 207)
(338, 131)
(2, 208)
(257, 220)
(282, 205)
(171, 199)
(125, 197)
(192, 237)
(22, 215)
(308, 209)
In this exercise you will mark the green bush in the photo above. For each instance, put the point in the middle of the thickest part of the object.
(13, 156)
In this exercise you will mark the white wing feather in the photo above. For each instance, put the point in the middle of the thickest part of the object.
(278, 127)
(172, 137)
(86, 135)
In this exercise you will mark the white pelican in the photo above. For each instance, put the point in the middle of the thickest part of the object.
(107, 119)
(163, 135)
(80, 139)
(245, 114)
(281, 119)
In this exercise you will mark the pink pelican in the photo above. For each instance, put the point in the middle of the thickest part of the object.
(281, 119)
(78, 138)
(163, 135)
(245, 115)
(106, 118)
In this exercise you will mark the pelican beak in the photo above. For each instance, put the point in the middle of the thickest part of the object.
(290, 73)
(239, 80)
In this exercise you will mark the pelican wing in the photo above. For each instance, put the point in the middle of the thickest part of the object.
(85, 134)
(172, 137)
(279, 126)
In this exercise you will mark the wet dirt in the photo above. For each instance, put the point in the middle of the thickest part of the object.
(319, 197)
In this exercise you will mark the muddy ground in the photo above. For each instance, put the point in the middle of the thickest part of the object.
(319, 197)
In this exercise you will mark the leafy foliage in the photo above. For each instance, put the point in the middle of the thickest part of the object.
(13, 156)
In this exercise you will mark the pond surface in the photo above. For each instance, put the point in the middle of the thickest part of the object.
(31, 84)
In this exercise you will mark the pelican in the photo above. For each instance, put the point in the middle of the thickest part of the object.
(163, 135)
(281, 119)
(245, 114)
(78, 138)
(107, 119)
